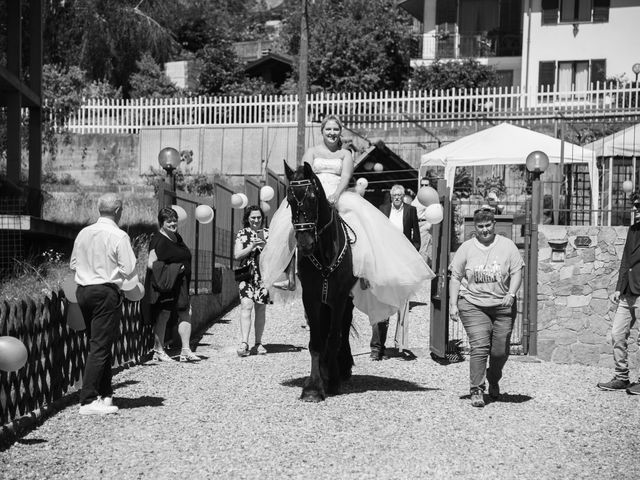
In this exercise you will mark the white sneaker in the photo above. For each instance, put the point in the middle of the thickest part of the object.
(108, 401)
(97, 407)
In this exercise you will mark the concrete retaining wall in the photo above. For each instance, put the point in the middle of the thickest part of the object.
(574, 310)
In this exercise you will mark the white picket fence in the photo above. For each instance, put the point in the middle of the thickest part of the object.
(361, 109)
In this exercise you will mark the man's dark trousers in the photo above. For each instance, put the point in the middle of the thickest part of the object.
(101, 307)
(379, 337)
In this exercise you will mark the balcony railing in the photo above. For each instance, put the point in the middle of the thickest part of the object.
(433, 46)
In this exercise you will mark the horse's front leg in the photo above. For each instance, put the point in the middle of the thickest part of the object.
(345, 358)
(333, 347)
(313, 390)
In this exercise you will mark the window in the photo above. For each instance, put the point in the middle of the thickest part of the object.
(573, 75)
(575, 11)
(572, 11)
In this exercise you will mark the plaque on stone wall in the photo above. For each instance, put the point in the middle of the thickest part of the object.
(582, 241)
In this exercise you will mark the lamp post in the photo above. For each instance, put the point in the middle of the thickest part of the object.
(537, 163)
(627, 188)
(636, 69)
(169, 159)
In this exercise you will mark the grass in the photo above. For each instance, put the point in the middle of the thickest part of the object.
(81, 208)
(38, 276)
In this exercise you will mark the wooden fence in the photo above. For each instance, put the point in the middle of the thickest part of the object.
(365, 109)
(56, 353)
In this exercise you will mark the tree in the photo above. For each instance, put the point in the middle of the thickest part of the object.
(220, 68)
(354, 45)
(150, 81)
(448, 75)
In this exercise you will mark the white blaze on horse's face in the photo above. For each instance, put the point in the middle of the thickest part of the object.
(331, 133)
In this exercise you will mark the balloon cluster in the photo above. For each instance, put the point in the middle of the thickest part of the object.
(429, 197)
(240, 200)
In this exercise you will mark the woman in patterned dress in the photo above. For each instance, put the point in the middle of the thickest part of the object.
(250, 241)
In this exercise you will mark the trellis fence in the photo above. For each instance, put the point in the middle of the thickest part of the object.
(56, 353)
(366, 109)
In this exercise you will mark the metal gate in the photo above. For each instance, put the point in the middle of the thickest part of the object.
(448, 339)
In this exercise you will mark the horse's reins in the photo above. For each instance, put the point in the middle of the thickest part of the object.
(325, 271)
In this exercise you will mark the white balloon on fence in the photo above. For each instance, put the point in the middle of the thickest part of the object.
(204, 214)
(360, 189)
(266, 193)
(434, 213)
(13, 354)
(182, 213)
(236, 200)
(265, 207)
(362, 181)
(245, 200)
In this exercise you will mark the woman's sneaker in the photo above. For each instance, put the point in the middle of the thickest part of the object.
(477, 397)
(614, 384)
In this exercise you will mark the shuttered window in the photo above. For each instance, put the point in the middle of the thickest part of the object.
(550, 11)
(601, 10)
(547, 75)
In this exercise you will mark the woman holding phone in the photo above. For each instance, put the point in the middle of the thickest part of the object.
(250, 241)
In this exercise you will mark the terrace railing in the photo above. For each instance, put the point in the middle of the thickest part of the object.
(367, 109)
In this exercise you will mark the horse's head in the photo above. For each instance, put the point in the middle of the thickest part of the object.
(308, 201)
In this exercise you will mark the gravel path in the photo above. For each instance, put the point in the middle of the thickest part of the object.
(228, 417)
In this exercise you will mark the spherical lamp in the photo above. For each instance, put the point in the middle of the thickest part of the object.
(627, 186)
(537, 162)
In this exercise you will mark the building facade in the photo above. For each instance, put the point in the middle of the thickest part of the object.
(558, 44)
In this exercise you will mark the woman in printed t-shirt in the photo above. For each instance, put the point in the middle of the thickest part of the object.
(486, 273)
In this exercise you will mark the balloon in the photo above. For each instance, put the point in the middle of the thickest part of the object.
(360, 189)
(368, 165)
(13, 354)
(362, 181)
(236, 200)
(428, 196)
(265, 207)
(627, 186)
(133, 289)
(245, 200)
(204, 214)
(182, 213)
(378, 167)
(266, 193)
(434, 213)
(69, 286)
(75, 320)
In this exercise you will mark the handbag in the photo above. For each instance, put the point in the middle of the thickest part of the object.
(243, 273)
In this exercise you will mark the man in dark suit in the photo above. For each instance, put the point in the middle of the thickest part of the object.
(627, 295)
(405, 218)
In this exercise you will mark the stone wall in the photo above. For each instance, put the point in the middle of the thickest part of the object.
(574, 310)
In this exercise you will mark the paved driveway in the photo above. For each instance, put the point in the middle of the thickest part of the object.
(229, 417)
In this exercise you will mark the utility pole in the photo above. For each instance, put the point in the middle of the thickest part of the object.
(303, 65)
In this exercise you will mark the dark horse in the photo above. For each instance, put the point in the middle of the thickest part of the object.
(326, 275)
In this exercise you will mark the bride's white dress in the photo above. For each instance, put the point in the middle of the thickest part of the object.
(381, 254)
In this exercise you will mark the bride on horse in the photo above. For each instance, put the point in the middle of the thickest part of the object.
(390, 268)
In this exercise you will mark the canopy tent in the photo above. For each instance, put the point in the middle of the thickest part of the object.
(506, 144)
(625, 143)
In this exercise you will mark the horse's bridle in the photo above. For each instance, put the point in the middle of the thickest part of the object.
(309, 224)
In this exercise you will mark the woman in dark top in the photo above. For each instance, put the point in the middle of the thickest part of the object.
(250, 241)
(167, 246)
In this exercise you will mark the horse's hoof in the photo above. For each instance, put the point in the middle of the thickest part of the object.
(313, 396)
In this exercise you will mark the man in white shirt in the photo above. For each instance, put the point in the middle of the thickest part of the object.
(405, 218)
(103, 259)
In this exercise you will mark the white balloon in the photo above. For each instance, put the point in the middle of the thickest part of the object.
(204, 214)
(266, 193)
(265, 207)
(236, 200)
(245, 200)
(362, 181)
(133, 289)
(360, 190)
(182, 213)
(378, 167)
(434, 213)
(13, 354)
